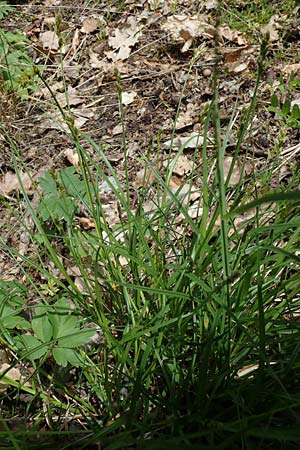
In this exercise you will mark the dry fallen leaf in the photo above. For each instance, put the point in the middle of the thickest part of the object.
(72, 156)
(192, 141)
(12, 373)
(118, 129)
(54, 120)
(239, 68)
(188, 117)
(232, 35)
(89, 25)
(128, 97)
(241, 168)
(72, 97)
(211, 4)
(289, 68)
(144, 178)
(52, 2)
(49, 40)
(271, 29)
(9, 182)
(87, 223)
(185, 29)
(183, 166)
(124, 38)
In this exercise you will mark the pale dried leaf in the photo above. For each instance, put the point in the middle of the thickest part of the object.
(72, 156)
(187, 118)
(128, 97)
(97, 63)
(183, 166)
(124, 38)
(49, 21)
(107, 185)
(289, 68)
(73, 271)
(192, 141)
(89, 25)
(194, 212)
(52, 2)
(49, 40)
(232, 35)
(72, 97)
(10, 182)
(185, 28)
(54, 120)
(118, 129)
(185, 192)
(241, 168)
(144, 178)
(271, 29)
(211, 4)
(80, 284)
(13, 373)
(239, 68)
(87, 223)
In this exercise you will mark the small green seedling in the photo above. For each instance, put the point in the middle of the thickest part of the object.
(289, 110)
(12, 296)
(56, 331)
(5, 9)
(61, 192)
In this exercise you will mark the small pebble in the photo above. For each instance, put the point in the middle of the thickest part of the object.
(206, 72)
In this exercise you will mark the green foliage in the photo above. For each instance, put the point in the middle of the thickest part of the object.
(12, 296)
(5, 9)
(288, 111)
(61, 193)
(17, 73)
(56, 331)
(249, 16)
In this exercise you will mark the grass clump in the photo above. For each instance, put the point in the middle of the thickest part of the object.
(163, 336)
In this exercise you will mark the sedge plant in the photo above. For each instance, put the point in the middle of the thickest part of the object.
(199, 337)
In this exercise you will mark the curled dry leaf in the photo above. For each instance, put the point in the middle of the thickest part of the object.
(89, 25)
(185, 29)
(72, 157)
(87, 223)
(183, 166)
(124, 38)
(128, 97)
(10, 372)
(10, 182)
(144, 178)
(72, 97)
(49, 40)
(241, 168)
(232, 35)
(188, 117)
(192, 141)
(271, 29)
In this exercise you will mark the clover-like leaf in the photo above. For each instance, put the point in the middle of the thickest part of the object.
(30, 347)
